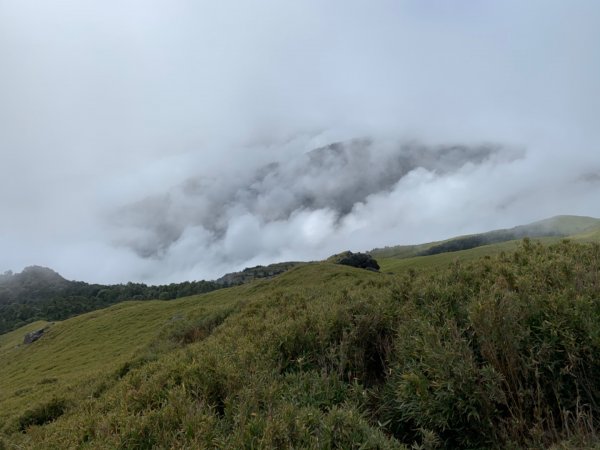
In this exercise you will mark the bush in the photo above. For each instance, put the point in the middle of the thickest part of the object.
(504, 350)
(360, 260)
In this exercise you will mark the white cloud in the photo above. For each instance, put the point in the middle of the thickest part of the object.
(174, 106)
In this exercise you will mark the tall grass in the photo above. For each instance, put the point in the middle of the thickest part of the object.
(501, 352)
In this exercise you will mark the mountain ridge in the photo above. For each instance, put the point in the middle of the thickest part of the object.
(39, 293)
(555, 226)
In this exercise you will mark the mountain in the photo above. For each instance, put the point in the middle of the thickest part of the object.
(497, 350)
(39, 293)
(33, 282)
(558, 226)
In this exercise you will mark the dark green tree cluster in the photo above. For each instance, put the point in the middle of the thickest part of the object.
(41, 294)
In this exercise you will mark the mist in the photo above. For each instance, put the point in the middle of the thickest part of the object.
(165, 141)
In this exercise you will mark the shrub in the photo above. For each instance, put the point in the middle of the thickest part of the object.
(502, 351)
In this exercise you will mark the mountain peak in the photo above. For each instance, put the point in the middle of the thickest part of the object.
(33, 274)
(41, 270)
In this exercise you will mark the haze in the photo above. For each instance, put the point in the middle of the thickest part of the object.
(163, 141)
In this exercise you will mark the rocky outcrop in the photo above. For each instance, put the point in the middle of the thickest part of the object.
(33, 336)
(253, 273)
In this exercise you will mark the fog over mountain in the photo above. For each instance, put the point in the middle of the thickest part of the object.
(327, 186)
(161, 141)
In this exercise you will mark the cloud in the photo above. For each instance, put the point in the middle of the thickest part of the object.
(304, 207)
(165, 140)
(334, 178)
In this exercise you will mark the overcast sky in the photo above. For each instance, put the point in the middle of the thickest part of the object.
(162, 141)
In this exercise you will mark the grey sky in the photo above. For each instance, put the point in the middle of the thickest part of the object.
(169, 140)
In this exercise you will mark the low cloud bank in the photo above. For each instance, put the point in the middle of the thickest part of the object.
(355, 194)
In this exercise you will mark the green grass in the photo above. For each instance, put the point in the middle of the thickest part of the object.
(88, 359)
(563, 226)
(442, 260)
(488, 347)
(569, 225)
(87, 348)
(589, 235)
(95, 345)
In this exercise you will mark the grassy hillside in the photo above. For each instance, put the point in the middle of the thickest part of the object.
(496, 351)
(442, 260)
(11, 340)
(591, 234)
(434, 255)
(90, 347)
(558, 226)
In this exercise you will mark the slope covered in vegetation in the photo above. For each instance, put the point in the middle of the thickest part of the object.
(39, 293)
(558, 226)
(503, 351)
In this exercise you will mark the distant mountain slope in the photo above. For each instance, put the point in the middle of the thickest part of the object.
(558, 226)
(566, 225)
(39, 293)
(590, 234)
(257, 272)
(34, 283)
